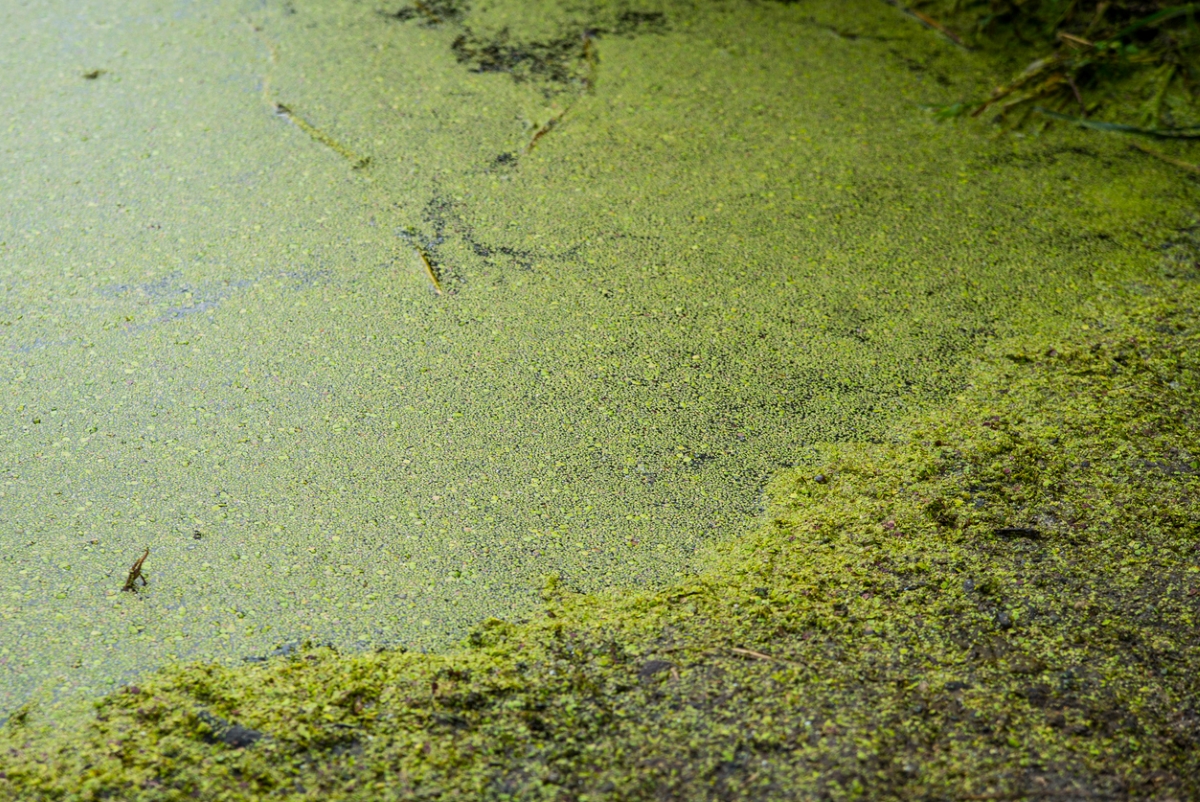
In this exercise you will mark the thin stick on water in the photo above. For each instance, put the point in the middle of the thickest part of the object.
(760, 656)
(135, 573)
(429, 271)
(1191, 168)
(929, 22)
(316, 134)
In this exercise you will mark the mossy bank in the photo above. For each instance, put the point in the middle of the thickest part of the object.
(999, 602)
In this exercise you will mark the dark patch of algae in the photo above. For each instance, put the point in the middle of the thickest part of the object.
(1000, 602)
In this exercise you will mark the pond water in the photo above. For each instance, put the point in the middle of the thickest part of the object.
(676, 248)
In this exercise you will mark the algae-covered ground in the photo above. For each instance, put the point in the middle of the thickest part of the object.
(998, 602)
(676, 250)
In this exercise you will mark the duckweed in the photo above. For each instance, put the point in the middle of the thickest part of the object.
(999, 601)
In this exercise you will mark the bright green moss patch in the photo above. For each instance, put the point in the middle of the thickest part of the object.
(1000, 603)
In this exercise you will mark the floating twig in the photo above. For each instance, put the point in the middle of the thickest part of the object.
(545, 129)
(929, 22)
(1192, 168)
(760, 656)
(135, 573)
(316, 134)
(356, 162)
(588, 55)
(1070, 39)
(429, 271)
(754, 654)
(1035, 69)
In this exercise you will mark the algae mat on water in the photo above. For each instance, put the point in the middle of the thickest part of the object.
(1000, 603)
(678, 247)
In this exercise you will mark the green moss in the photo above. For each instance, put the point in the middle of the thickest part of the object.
(998, 602)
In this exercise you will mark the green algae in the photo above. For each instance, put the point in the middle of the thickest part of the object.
(999, 601)
(745, 242)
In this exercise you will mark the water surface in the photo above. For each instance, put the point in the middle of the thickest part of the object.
(741, 237)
